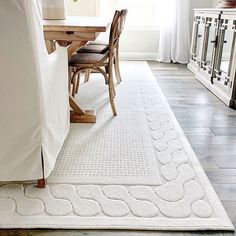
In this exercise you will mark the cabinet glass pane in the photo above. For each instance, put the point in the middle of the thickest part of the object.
(226, 51)
(210, 46)
(199, 40)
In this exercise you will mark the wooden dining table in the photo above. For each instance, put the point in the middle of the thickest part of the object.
(73, 33)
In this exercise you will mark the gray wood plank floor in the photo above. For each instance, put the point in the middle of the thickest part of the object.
(210, 127)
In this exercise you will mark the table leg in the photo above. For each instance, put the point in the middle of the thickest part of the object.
(41, 183)
(78, 115)
(50, 45)
(74, 46)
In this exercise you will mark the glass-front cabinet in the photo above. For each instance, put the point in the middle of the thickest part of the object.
(213, 52)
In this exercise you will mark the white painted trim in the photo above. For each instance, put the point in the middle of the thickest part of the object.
(193, 67)
(139, 56)
(142, 28)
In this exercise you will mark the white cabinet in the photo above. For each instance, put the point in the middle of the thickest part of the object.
(213, 52)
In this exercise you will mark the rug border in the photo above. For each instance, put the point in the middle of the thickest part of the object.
(221, 222)
(208, 188)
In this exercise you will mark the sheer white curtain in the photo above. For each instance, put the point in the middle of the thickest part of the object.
(174, 44)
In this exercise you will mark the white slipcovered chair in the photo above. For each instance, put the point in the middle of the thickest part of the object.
(34, 115)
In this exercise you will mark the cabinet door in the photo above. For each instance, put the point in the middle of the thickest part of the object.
(197, 36)
(225, 51)
(211, 24)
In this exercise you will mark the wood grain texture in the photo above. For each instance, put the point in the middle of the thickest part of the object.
(77, 23)
(201, 116)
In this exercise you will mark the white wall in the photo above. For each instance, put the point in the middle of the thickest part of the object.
(215, 3)
(135, 44)
(82, 8)
(144, 44)
(139, 44)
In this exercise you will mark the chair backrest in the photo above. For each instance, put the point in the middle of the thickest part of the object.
(114, 33)
(123, 15)
(117, 27)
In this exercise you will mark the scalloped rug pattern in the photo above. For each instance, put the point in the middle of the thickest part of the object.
(134, 171)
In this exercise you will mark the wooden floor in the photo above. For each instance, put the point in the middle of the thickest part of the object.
(210, 127)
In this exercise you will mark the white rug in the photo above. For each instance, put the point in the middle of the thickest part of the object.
(134, 171)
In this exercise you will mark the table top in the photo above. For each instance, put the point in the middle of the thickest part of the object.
(77, 23)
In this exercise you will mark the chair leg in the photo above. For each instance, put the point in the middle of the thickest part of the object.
(111, 91)
(112, 84)
(106, 81)
(110, 87)
(107, 71)
(116, 70)
(77, 83)
(87, 75)
(107, 77)
(117, 66)
(111, 97)
(70, 72)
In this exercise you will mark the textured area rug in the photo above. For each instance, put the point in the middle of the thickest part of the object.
(134, 171)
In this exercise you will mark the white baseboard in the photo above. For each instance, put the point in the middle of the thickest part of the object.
(139, 56)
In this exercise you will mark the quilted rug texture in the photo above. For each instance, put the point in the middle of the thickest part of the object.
(134, 171)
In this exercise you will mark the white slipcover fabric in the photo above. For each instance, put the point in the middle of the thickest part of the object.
(34, 117)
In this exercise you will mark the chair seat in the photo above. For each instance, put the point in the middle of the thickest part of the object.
(86, 58)
(93, 48)
(98, 42)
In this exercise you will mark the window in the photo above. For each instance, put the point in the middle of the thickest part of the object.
(143, 14)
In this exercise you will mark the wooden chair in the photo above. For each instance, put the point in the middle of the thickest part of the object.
(101, 47)
(96, 61)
